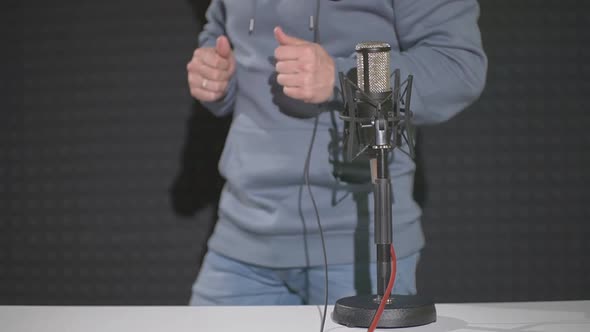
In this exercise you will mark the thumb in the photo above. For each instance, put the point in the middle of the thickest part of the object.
(285, 39)
(222, 47)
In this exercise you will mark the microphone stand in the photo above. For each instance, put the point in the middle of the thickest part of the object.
(387, 127)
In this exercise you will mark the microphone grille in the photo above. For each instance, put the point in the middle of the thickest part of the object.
(375, 56)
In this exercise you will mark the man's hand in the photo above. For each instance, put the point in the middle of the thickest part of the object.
(305, 70)
(210, 70)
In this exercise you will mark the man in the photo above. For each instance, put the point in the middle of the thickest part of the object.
(273, 65)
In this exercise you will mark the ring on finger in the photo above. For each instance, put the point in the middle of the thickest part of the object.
(204, 83)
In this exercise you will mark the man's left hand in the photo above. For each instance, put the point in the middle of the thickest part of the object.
(305, 70)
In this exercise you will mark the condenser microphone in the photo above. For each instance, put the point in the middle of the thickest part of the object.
(373, 68)
(376, 108)
(374, 99)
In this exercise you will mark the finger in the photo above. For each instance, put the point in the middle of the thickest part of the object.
(287, 53)
(290, 80)
(204, 95)
(290, 67)
(297, 93)
(285, 39)
(211, 73)
(213, 86)
(223, 48)
(206, 84)
(190, 65)
(210, 58)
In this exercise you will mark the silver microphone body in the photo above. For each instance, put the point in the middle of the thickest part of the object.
(373, 67)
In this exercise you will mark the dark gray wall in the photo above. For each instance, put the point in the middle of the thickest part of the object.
(107, 167)
(507, 206)
(90, 154)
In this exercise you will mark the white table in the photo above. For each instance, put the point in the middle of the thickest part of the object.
(568, 316)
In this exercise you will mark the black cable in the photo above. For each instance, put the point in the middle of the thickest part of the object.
(317, 214)
(316, 38)
(316, 27)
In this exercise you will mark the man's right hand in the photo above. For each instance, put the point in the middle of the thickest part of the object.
(210, 70)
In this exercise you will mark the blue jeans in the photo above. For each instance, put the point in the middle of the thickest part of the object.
(224, 281)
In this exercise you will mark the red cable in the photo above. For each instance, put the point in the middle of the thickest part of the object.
(379, 312)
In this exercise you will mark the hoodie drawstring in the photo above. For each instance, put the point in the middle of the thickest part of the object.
(253, 18)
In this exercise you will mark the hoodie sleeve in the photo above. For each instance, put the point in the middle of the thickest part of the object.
(440, 45)
(214, 28)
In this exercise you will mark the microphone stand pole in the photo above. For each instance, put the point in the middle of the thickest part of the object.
(383, 198)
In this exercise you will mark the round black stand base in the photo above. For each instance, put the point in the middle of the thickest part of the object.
(404, 311)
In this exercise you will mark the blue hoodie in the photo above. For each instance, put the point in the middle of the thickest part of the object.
(265, 218)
